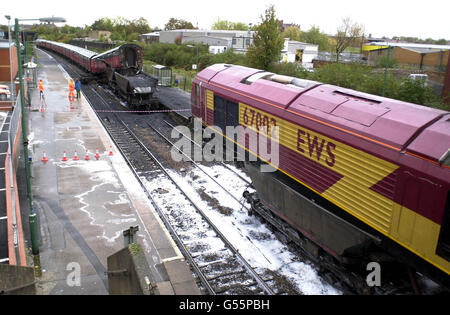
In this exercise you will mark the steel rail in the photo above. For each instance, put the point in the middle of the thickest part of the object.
(198, 145)
(163, 216)
(188, 256)
(198, 166)
(235, 252)
(247, 266)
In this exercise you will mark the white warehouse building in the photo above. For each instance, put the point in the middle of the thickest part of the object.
(298, 52)
(236, 40)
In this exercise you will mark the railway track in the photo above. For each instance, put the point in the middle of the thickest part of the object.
(220, 269)
(347, 281)
(221, 272)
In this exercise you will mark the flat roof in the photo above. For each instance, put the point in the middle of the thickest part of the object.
(410, 45)
(85, 52)
(5, 44)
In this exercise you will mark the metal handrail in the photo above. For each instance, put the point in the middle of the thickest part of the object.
(13, 127)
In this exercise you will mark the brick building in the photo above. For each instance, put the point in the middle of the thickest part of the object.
(4, 61)
(420, 56)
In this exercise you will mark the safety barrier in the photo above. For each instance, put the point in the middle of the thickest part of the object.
(16, 246)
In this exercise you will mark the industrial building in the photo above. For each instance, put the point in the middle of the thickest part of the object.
(236, 40)
(299, 52)
(420, 56)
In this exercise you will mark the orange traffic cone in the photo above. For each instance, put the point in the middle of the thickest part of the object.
(75, 158)
(86, 157)
(64, 159)
(110, 151)
(97, 155)
(44, 158)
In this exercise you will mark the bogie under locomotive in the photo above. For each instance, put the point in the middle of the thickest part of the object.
(361, 177)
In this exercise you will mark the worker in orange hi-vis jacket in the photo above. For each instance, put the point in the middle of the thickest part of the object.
(41, 88)
(71, 90)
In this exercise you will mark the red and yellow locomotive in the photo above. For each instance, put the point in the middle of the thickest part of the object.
(357, 174)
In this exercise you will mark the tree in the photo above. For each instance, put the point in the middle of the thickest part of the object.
(293, 33)
(122, 28)
(228, 25)
(316, 37)
(178, 24)
(103, 24)
(347, 33)
(267, 41)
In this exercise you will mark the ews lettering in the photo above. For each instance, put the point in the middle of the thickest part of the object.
(315, 147)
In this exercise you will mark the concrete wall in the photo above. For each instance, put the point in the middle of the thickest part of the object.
(99, 34)
(235, 39)
(4, 63)
(16, 280)
(129, 273)
(206, 40)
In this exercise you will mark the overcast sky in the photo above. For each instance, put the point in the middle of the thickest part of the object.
(415, 18)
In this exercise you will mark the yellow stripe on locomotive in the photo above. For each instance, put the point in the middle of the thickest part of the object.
(352, 192)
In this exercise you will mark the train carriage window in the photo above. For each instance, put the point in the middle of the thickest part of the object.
(443, 247)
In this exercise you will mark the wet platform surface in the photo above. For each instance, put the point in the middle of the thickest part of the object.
(84, 206)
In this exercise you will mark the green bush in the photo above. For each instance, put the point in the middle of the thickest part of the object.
(381, 62)
(415, 91)
(373, 84)
(172, 55)
(290, 69)
(344, 75)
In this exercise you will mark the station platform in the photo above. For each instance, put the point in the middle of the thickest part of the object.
(84, 206)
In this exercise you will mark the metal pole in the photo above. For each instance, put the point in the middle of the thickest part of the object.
(32, 216)
(386, 70)
(197, 59)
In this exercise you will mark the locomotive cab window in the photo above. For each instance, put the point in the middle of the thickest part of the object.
(195, 94)
(445, 158)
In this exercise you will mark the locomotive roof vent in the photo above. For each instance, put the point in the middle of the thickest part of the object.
(254, 77)
(282, 79)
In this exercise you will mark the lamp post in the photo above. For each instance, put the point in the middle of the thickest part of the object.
(13, 89)
(196, 49)
(32, 217)
(386, 70)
